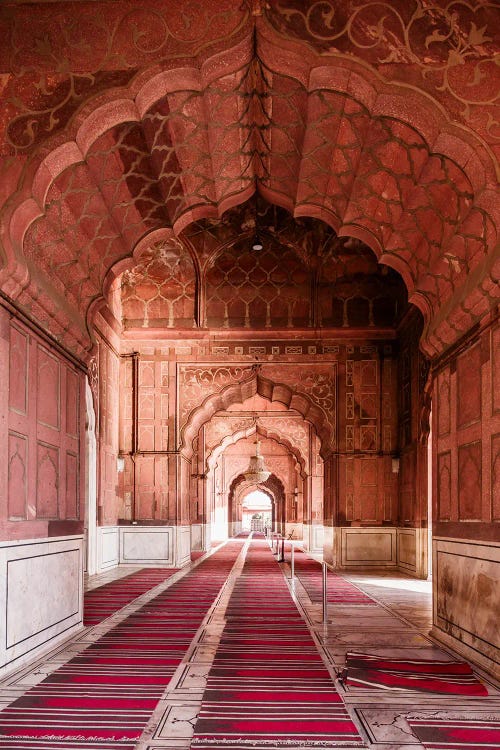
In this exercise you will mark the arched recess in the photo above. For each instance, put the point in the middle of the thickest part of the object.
(420, 190)
(213, 454)
(273, 487)
(252, 384)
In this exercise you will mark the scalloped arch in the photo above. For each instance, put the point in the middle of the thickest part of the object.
(420, 190)
(237, 393)
(217, 450)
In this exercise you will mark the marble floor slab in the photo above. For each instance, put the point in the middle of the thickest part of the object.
(397, 626)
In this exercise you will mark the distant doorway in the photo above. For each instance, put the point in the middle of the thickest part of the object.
(256, 511)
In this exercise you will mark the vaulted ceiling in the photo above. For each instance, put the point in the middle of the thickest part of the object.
(123, 127)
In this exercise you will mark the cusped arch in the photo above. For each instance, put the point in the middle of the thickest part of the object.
(434, 221)
(237, 393)
(273, 487)
(238, 435)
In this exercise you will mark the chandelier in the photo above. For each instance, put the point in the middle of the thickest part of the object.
(257, 471)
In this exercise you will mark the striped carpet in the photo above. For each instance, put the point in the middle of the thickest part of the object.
(425, 675)
(104, 696)
(339, 591)
(268, 686)
(104, 601)
(456, 734)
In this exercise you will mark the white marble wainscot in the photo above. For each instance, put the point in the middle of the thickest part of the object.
(168, 546)
(373, 547)
(234, 528)
(412, 551)
(466, 599)
(197, 537)
(316, 537)
(108, 547)
(294, 531)
(182, 539)
(41, 595)
(305, 535)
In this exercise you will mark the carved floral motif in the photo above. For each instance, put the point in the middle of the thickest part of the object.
(451, 47)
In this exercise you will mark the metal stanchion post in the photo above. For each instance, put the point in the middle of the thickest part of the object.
(292, 563)
(282, 556)
(325, 601)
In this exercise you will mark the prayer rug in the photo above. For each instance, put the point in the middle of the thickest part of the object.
(104, 696)
(268, 685)
(104, 601)
(429, 676)
(339, 591)
(456, 734)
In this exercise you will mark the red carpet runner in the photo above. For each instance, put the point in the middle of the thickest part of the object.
(106, 600)
(268, 685)
(458, 734)
(452, 678)
(340, 591)
(105, 696)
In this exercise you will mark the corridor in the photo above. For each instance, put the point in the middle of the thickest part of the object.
(230, 653)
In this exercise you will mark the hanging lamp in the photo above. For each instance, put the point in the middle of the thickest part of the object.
(257, 471)
(257, 245)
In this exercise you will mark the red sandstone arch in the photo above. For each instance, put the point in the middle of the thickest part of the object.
(213, 454)
(257, 384)
(418, 189)
(273, 487)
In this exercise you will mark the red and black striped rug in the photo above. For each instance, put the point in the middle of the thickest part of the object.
(429, 676)
(339, 591)
(268, 686)
(104, 601)
(105, 695)
(456, 734)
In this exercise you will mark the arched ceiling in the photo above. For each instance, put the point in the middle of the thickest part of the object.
(127, 125)
(304, 276)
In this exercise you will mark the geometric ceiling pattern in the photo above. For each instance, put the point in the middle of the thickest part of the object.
(304, 276)
(130, 127)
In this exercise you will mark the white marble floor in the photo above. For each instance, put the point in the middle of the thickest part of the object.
(398, 626)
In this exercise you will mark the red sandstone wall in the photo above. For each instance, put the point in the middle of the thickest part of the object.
(413, 372)
(466, 440)
(108, 417)
(42, 424)
(367, 438)
(151, 494)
